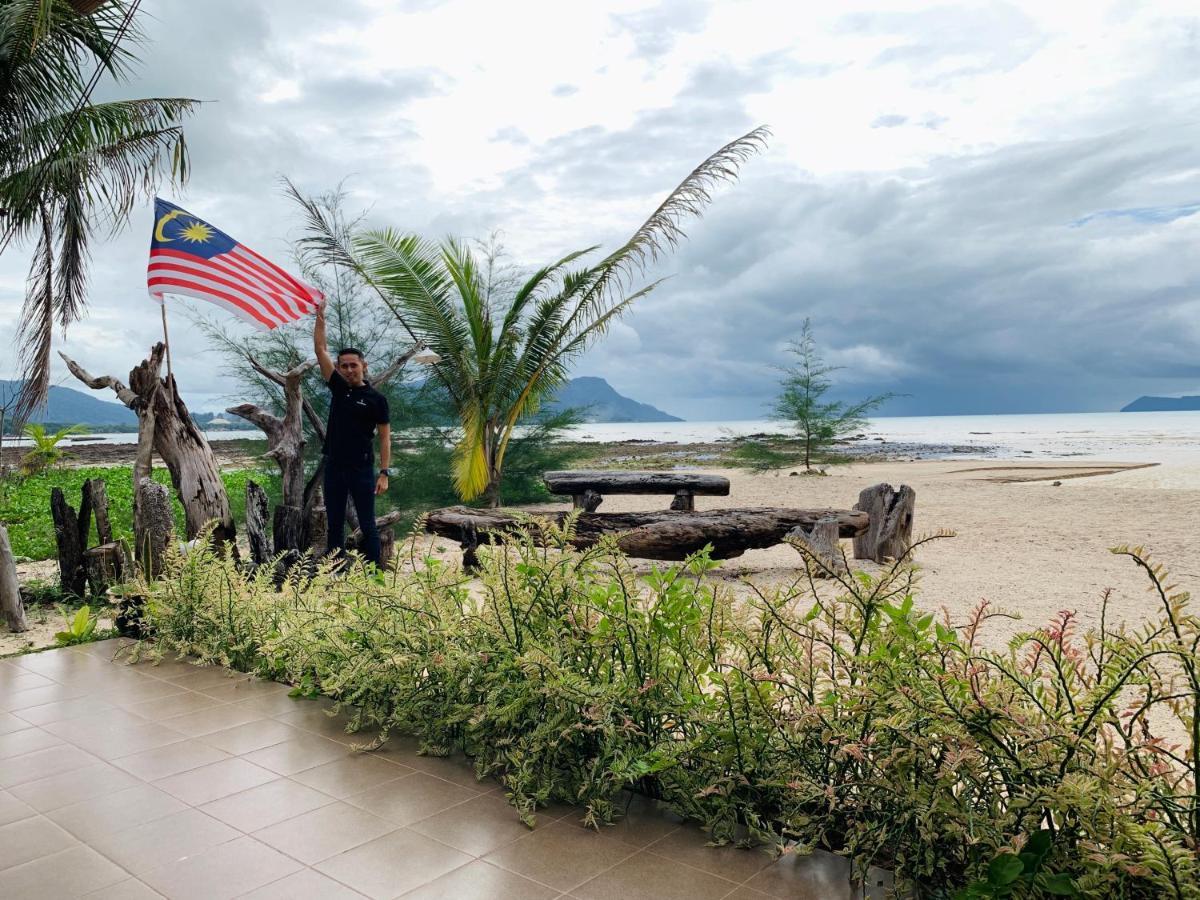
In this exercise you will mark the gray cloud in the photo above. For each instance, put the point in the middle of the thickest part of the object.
(655, 30)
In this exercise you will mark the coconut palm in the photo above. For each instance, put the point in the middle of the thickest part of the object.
(66, 172)
(505, 347)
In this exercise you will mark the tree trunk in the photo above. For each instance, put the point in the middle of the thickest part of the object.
(11, 606)
(289, 529)
(154, 527)
(820, 540)
(891, 512)
(660, 534)
(165, 424)
(97, 493)
(256, 524)
(103, 567)
(72, 576)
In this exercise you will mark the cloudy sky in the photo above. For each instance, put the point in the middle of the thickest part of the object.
(989, 207)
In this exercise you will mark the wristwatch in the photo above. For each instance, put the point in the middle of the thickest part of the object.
(387, 471)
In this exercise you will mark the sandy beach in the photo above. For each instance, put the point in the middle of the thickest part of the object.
(1027, 546)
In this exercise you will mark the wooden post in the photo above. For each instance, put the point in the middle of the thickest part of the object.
(155, 527)
(97, 493)
(72, 575)
(102, 566)
(889, 534)
(256, 524)
(10, 592)
(684, 501)
(820, 541)
(588, 501)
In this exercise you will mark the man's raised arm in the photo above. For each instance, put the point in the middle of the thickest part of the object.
(319, 343)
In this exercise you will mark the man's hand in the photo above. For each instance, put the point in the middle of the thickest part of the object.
(381, 485)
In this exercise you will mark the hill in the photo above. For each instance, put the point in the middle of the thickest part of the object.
(603, 404)
(70, 407)
(1163, 404)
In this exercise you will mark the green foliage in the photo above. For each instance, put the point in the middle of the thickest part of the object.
(41, 593)
(856, 722)
(80, 627)
(45, 452)
(818, 421)
(25, 506)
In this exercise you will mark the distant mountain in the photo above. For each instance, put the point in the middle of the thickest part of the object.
(1163, 404)
(71, 407)
(602, 404)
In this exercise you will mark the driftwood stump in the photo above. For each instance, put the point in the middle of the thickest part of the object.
(387, 540)
(256, 524)
(820, 541)
(103, 568)
(95, 492)
(588, 501)
(71, 573)
(155, 527)
(11, 606)
(889, 534)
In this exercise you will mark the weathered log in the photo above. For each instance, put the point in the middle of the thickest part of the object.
(289, 529)
(72, 576)
(577, 482)
(175, 438)
(820, 540)
(588, 501)
(685, 501)
(318, 530)
(387, 546)
(96, 491)
(891, 513)
(256, 523)
(103, 567)
(654, 534)
(154, 527)
(11, 606)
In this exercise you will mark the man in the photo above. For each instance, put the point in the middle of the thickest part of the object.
(356, 413)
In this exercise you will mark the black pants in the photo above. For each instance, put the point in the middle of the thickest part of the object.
(359, 485)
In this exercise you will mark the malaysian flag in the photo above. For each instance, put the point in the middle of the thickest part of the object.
(189, 257)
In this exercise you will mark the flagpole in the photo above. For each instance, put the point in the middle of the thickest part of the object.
(166, 339)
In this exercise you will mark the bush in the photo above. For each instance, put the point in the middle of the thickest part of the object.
(860, 724)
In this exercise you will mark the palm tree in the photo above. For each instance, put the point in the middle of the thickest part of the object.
(503, 349)
(68, 170)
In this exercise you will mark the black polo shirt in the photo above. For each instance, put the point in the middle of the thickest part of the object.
(354, 413)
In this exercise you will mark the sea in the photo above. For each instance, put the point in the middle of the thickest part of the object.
(1112, 437)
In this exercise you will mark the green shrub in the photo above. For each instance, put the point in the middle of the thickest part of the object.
(858, 722)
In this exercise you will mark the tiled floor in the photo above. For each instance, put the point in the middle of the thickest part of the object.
(122, 781)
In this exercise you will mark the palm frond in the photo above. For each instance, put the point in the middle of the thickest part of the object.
(37, 325)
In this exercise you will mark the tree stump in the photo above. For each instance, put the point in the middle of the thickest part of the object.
(318, 530)
(72, 575)
(889, 534)
(11, 606)
(820, 541)
(103, 567)
(96, 492)
(588, 501)
(256, 524)
(387, 546)
(288, 529)
(684, 501)
(154, 527)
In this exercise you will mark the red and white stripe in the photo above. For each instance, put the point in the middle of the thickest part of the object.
(240, 280)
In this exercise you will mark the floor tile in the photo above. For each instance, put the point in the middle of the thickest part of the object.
(13, 810)
(245, 688)
(324, 832)
(142, 690)
(15, 701)
(395, 863)
(640, 821)
(129, 889)
(73, 786)
(274, 704)
(10, 723)
(16, 743)
(166, 706)
(688, 845)
(216, 718)
(64, 709)
(79, 729)
(164, 841)
(265, 805)
(225, 871)
(214, 781)
(410, 799)
(351, 775)
(252, 736)
(455, 769)
(654, 878)
(477, 826)
(305, 752)
(115, 812)
(478, 880)
(29, 839)
(170, 759)
(316, 719)
(306, 884)
(201, 677)
(23, 681)
(70, 873)
(561, 856)
(121, 740)
(820, 874)
(42, 763)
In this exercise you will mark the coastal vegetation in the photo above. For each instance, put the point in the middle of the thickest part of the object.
(793, 716)
(506, 343)
(69, 167)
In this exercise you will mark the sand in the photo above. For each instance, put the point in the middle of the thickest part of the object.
(1027, 546)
